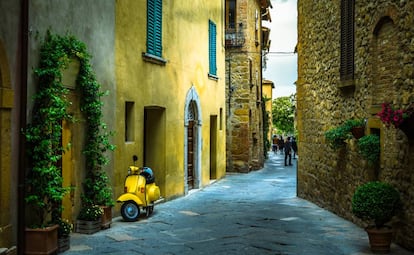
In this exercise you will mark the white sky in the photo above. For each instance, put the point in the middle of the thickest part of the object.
(282, 68)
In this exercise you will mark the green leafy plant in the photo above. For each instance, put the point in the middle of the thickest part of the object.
(43, 134)
(351, 123)
(369, 148)
(65, 228)
(90, 213)
(377, 202)
(336, 136)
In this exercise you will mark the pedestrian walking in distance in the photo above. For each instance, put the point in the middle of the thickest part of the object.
(288, 151)
(294, 147)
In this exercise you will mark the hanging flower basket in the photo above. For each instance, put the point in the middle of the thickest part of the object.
(402, 119)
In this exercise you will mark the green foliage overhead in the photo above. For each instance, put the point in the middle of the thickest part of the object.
(43, 134)
(376, 201)
(283, 114)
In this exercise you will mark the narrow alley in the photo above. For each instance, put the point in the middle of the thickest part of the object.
(255, 213)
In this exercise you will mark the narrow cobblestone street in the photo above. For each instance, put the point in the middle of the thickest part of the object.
(255, 213)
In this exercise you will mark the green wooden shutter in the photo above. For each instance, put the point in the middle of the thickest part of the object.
(154, 27)
(212, 37)
(347, 40)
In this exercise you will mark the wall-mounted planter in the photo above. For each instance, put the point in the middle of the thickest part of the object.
(358, 132)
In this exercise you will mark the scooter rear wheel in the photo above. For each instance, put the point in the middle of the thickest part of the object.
(130, 211)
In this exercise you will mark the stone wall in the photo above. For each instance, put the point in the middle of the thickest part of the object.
(244, 92)
(383, 60)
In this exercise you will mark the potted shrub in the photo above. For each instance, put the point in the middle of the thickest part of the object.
(356, 127)
(64, 230)
(336, 136)
(89, 219)
(44, 191)
(369, 148)
(377, 202)
(97, 190)
(44, 180)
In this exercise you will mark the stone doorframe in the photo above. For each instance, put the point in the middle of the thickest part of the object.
(192, 100)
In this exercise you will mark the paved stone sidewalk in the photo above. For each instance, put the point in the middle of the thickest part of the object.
(255, 213)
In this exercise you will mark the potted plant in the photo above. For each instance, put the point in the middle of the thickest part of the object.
(64, 230)
(97, 190)
(44, 191)
(399, 118)
(356, 127)
(377, 202)
(336, 136)
(369, 148)
(89, 219)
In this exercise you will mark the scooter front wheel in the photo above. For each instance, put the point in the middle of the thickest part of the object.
(130, 211)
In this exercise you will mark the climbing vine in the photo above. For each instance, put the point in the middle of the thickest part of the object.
(44, 133)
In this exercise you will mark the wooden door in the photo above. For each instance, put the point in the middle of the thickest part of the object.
(190, 153)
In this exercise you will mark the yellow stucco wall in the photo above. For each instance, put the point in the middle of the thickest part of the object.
(267, 88)
(160, 91)
(6, 105)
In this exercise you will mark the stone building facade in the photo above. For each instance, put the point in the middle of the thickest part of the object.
(244, 46)
(353, 56)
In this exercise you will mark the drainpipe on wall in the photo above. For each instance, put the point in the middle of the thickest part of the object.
(23, 48)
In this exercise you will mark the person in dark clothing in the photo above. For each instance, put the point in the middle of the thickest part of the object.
(288, 151)
(294, 147)
(281, 144)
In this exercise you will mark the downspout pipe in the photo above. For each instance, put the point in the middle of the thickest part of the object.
(23, 48)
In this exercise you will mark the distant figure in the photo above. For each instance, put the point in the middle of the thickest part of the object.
(281, 144)
(294, 147)
(275, 144)
(288, 151)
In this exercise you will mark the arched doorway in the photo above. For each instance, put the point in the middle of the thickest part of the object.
(192, 143)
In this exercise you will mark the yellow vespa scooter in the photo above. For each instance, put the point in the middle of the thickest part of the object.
(140, 192)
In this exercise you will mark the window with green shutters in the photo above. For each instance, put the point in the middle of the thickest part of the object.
(154, 27)
(212, 45)
(347, 40)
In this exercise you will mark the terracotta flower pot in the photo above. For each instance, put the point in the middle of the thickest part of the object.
(358, 132)
(41, 240)
(380, 239)
(106, 218)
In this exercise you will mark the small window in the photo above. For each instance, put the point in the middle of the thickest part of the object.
(129, 122)
(231, 14)
(221, 119)
(347, 40)
(212, 38)
(154, 27)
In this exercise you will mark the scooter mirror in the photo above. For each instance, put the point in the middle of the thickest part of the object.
(135, 158)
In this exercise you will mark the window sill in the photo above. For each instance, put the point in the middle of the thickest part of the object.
(153, 59)
(346, 83)
(213, 77)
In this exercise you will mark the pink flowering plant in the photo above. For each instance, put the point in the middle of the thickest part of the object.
(391, 116)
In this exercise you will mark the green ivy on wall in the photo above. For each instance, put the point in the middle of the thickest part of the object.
(44, 182)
